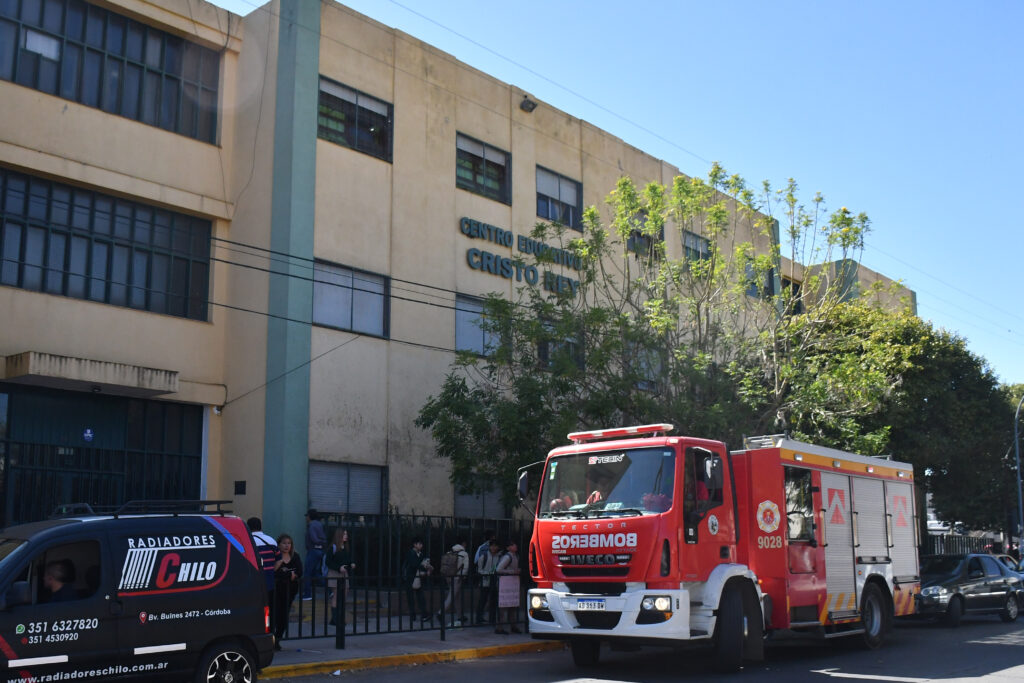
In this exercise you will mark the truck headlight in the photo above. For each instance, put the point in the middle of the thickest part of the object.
(659, 603)
(537, 602)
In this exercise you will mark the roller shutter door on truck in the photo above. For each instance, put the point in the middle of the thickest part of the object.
(839, 566)
(899, 500)
(869, 515)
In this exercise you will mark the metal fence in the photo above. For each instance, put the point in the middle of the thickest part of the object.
(377, 599)
(954, 544)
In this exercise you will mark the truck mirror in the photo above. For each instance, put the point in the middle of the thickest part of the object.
(524, 486)
(18, 594)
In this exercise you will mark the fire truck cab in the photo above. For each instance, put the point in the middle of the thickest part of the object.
(642, 538)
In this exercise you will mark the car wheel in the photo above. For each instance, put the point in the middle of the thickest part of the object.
(874, 616)
(1011, 610)
(954, 611)
(730, 631)
(585, 651)
(226, 663)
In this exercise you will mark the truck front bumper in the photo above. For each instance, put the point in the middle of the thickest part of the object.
(638, 612)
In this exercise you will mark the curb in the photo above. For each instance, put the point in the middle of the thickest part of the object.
(310, 668)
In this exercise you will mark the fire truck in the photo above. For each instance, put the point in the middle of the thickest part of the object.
(642, 538)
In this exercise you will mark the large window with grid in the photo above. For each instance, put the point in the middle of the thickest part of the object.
(348, 117)
(469, 335)
(559, 199)
(101, 59)
(65, 240)
(350, 299)
(695, 247)
(482, 169)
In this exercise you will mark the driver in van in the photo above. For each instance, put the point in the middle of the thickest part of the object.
(58, 578)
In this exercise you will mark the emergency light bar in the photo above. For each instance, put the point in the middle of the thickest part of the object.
(580, 437)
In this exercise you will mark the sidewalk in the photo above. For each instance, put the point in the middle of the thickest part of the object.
(370, 651)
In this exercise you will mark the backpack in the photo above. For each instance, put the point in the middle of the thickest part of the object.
(450, 564)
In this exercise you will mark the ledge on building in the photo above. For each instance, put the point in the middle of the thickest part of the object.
(82, 374)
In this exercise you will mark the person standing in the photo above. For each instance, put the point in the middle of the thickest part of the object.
(484, 548)
(316, 539)
(488, 583)
(416, 571)
(339, 566)
(508, 566)
(267, 552)
(455, 581)
(287, 575)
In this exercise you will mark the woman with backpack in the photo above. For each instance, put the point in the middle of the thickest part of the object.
(454, 568)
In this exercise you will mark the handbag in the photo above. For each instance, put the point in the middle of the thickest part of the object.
(417, 584)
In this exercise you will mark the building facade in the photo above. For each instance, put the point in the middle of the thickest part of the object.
(239, 253)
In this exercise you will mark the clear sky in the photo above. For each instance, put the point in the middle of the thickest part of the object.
(910, 111)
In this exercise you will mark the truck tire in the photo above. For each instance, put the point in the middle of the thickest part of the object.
(730, 631)
(585, 651)
(954, 611)
(227, 662)
(1011, 610)
(874, 615)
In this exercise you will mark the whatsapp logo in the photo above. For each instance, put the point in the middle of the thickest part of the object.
(20, 629)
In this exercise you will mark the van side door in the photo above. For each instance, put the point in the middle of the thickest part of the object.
(63, 620)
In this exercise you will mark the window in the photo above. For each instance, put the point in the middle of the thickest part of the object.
(641, 243)
(559, 199)
(799, 505)
(760, 285)
(695, 247)
(354, 119)
(648, 366)
(350, 299)
(72, 242)
(469, 336)
(93, 56)
(560, 353)
(482, 169)
(66, 573)
(794, 296)
(343, 488)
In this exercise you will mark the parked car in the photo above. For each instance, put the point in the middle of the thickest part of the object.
(954, 585)
(136, 594)
(1010, 563)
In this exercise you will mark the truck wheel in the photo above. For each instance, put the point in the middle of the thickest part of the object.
(226, 663)
(730, 632)
(954, 611)
(585, 651)
(874, 616)
(1011, 610)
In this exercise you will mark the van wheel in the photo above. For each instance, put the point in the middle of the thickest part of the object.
(585, 651)
(1011, 610)
(874, 616)
(226, 663)
(730, 632)
(954, 611)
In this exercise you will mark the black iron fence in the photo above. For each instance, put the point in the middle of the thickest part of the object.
(954, 544)
(377, 598)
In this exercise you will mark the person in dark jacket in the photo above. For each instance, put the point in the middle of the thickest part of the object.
(416, 571)
(316, 541)
(287, 576)
(58, 578)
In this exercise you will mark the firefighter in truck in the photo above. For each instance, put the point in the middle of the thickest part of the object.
(642, 538)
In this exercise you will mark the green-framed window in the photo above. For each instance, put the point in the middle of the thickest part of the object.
(348, 117)
(559, 199)
(482, 169)
(101, 59)
(69, 241)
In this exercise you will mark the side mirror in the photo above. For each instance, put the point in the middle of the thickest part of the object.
(18, 594)
(524, 486)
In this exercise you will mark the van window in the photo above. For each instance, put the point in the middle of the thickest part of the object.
(64, 573)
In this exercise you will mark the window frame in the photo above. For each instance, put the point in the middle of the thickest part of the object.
(576, 215)
(696, 254)
(335, 129)
(478, 169)
(319, 317)
(488, 340)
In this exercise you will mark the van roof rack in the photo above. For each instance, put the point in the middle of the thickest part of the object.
(142, 507)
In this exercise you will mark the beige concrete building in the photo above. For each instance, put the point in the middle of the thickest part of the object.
(239, 253)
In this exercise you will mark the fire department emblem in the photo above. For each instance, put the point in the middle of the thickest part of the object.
(768, 517)
(713, 525)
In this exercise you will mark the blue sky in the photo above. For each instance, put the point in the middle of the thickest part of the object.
(910, 111)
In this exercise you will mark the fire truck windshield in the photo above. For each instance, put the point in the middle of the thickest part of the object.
(624, 482)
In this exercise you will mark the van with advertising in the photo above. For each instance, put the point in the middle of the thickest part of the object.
(164, 590)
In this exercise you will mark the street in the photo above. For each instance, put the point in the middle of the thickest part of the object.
(981, 649)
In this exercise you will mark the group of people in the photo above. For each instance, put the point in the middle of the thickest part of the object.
(492, 561)
(284, 569)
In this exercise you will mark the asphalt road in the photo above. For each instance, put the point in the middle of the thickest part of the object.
(981, 649)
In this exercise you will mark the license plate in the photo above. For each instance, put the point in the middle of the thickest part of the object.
(590, 604)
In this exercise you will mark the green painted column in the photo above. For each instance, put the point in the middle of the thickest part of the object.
(290, 304)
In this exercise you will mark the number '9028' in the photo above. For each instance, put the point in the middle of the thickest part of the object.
(769, 541)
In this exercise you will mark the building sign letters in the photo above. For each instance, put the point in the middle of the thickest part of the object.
(515, 268)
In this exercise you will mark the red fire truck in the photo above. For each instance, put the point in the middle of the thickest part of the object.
(642, 538)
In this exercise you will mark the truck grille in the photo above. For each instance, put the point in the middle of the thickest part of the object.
(598, 620)
(597, 588)
(595, 571)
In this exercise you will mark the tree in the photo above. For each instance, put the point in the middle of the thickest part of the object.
(706, 340)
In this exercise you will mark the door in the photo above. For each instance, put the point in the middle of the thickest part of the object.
(708, 525)
(899, 506)
(801, 531)
(871, 536)
(975, 586)
(837, 524)
(996, 582)
(67, 624)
